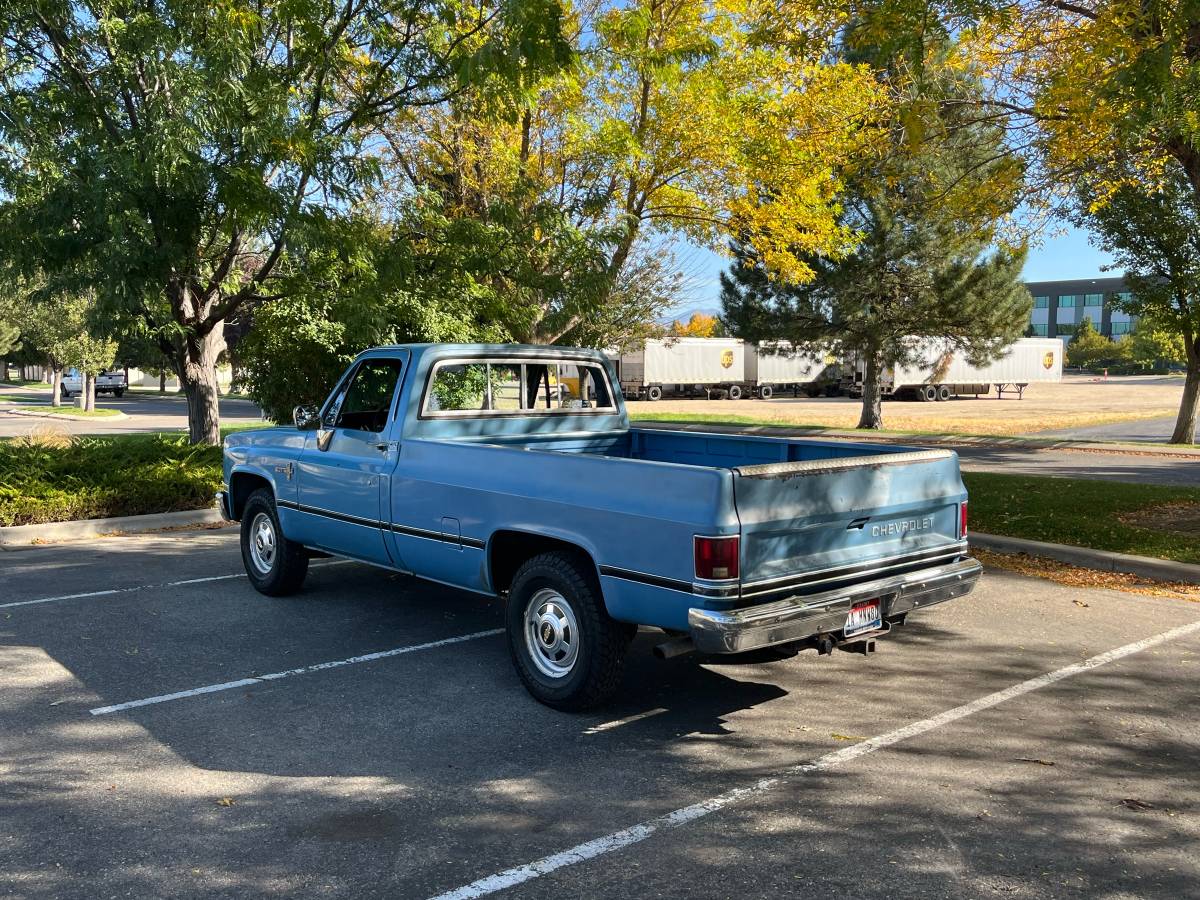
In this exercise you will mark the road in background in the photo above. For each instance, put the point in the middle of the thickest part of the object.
(419, 773)
(146, 411)
(1147, 430)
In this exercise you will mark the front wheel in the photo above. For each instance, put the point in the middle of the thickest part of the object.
(275, 566)
(567, 650)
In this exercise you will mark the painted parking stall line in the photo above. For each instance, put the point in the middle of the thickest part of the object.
(626, 837)
(292, 673)
(628, 720)
(146, 587)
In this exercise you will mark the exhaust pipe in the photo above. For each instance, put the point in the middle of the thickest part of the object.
(679, 646)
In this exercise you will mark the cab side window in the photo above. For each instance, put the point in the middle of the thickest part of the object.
(365, 404)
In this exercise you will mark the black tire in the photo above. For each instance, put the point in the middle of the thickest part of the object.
(119, 392)
(735, 392)
(944, 393)
(547, 582)
(929, 393)
(654, 392)
(766, 392)
(281, 571)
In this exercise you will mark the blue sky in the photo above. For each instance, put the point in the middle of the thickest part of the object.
(1060, 255)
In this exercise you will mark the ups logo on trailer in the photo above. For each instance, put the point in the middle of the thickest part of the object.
(726, 359)
(1048, 360)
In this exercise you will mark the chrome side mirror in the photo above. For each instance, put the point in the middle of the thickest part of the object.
(306, 418)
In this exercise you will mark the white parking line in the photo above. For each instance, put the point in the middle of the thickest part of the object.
(144, 587)
(637, 833)
(290, 673)
(609, 726)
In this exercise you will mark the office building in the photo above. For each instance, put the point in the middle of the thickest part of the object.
(1060, 306)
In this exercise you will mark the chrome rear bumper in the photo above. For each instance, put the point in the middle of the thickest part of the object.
(801, 617)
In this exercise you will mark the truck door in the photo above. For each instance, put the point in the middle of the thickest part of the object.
(345, 466)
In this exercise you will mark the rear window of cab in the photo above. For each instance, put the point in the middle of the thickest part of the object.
(516, 387)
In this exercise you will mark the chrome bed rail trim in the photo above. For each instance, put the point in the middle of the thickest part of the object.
(817, 466)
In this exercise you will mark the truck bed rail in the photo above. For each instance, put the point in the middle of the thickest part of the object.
(819, 466)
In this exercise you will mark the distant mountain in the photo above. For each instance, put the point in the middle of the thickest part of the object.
(666, 321)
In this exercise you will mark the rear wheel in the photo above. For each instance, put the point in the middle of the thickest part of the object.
(567, 650)
(735, 392)
(766, 392)
(275, 566)
(929, 393)
(944, 393)
(654, 392)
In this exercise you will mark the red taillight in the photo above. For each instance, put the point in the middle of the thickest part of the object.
(716, 557)
(962, 520)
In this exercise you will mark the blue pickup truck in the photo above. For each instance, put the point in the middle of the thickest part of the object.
(512, 471)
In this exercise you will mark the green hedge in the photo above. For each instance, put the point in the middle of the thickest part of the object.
(96, 477)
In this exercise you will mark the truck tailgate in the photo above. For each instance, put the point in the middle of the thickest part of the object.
(810, 526)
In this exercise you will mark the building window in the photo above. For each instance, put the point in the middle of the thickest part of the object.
(1124, 296)
(1122, 327)
(1093, 299)
(1066, 328)
(1039, 329)
(1068, 301)
(1041, 302)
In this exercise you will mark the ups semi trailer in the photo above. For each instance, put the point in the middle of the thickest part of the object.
(942, 375)
(773, 366)
(685, 367)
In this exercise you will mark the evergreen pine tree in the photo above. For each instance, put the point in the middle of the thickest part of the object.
(926, 273)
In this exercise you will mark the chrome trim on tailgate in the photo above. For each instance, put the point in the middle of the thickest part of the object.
(817, 466)
(797, 618)
(848, 570)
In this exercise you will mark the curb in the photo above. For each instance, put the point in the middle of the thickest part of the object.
(935, 440)
(86, 528)
(40, 415)
(1103, 560)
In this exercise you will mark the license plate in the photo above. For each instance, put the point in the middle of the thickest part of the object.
(863, 616)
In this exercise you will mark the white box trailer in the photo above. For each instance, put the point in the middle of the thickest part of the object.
(772, 366)
(944, 374)
(684, 366)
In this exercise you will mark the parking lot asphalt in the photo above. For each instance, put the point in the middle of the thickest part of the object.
(166, 731)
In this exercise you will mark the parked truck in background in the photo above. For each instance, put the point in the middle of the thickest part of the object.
(773, 366)
(942, 374)
(106, 383)
(469, 466)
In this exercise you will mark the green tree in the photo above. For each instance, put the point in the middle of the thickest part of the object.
(1152, 229)
(926, 271)
(1152, 345)
(1089, 348)
(172, 150)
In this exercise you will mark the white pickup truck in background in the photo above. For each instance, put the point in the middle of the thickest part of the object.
(106, 383)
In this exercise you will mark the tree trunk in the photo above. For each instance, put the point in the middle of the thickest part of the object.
(89, 392)
(1189, 406)
(872, 399)
(162, 381)
(56, 375)
(198, 377)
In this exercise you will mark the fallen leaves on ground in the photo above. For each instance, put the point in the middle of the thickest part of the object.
(226, 801)
(847, 737)
(1075, 576)
(1034, 759)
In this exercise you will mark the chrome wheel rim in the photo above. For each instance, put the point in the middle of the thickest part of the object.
(551, 633)
(262, 543)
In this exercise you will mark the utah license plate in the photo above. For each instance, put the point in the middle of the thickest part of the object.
(863, 616)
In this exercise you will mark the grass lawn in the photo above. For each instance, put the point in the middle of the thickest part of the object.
(1142, 519)
(96, 477)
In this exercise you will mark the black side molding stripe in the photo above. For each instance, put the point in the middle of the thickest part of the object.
(436, 536)
(644, 578)
(474, 543)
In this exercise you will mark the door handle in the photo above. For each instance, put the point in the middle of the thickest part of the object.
(386, 445)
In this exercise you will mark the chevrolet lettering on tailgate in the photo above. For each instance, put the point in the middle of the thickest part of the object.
(902, 526)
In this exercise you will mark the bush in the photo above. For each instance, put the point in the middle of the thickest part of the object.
(97, 477)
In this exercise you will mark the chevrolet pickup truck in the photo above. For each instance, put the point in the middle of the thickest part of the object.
(513, 471)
